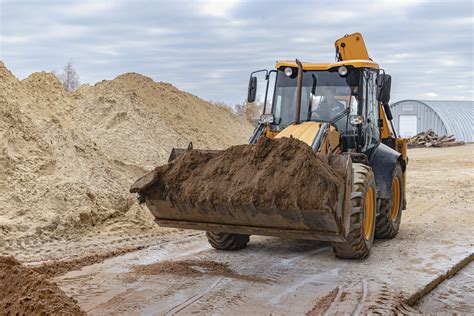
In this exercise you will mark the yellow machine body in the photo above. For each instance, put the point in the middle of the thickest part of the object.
(293, 223)
(351, 47)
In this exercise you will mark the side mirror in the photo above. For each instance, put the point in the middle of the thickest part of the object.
(252, 93)
(384, 83)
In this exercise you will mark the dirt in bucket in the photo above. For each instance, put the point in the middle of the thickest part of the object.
(283, 172)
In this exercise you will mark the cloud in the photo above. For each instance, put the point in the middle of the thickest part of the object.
(87, 8)
(5, 39)
(217, 8)
(428, 95)
(210, 47)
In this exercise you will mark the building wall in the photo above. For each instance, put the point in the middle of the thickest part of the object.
(426, 117)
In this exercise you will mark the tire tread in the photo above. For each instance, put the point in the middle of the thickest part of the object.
(356, 247)
(226, 241)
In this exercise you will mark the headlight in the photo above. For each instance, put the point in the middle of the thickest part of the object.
(288, 71)
(342, 70)
(356, 120)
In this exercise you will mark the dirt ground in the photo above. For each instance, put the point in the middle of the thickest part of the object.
(298, 277)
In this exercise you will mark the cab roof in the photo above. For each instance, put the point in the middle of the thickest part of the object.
(356, 63)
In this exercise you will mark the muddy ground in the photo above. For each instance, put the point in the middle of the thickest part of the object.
(454, 295)
(178, 272)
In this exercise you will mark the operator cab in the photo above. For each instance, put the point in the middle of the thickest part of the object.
(326, 96)
(343, 94)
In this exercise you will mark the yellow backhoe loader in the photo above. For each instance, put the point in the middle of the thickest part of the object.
(341, 111)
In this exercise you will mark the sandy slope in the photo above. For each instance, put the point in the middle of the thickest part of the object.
(68, 159)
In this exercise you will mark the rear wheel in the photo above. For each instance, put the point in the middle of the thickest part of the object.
(362, 225)
(390, 214)
(225, 241)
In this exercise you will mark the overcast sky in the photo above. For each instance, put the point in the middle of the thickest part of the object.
(209, 47)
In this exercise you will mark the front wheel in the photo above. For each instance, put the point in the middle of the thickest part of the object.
(225, 241)
(390, 214)
(362, 221)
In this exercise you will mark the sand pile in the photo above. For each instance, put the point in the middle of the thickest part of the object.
(56, 180)
(137, 121)
(26, 292)
(68, 159)
(283, 172)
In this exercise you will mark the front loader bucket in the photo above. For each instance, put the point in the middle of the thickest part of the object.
(327, 223)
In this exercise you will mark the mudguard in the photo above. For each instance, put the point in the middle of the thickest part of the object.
(383, 160)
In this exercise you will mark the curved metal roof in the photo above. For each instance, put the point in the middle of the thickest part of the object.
(457, 116)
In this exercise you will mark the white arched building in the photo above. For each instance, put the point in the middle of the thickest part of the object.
(411, 117)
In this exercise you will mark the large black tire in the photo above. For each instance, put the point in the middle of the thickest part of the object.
(225, 241)
(390, 212)
(363, 205)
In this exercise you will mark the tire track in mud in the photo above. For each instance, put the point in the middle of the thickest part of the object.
(181, 306)
(60, 267)
(39, 251)
(413, 299)
(362, 297)
(453, 296)
(371, 297)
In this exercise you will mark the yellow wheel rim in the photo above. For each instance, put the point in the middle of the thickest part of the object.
(395, 198)
(369, 213)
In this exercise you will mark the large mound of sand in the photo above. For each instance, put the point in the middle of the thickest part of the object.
(137, 121)
(68, 159)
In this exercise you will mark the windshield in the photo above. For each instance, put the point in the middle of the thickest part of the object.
(326, 96)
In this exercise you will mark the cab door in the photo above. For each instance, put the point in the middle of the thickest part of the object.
(371, 131)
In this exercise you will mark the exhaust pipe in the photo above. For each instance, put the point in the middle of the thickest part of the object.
(299, 90)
